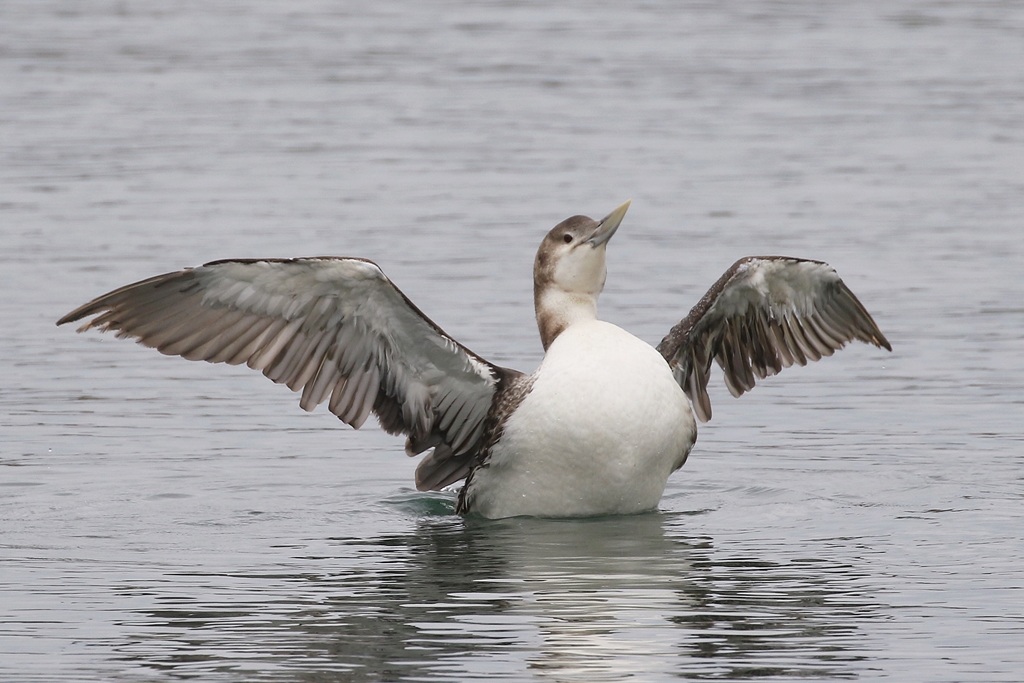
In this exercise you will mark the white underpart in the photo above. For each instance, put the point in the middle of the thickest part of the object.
(600, 432)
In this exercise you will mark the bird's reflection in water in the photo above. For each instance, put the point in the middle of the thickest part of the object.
(567, 600)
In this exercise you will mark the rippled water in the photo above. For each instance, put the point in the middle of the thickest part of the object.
(861, 518)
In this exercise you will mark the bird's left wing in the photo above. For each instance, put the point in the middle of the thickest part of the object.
(764, 314)
(333, 328)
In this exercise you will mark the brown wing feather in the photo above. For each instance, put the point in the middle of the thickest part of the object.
(335, 329)
(764, 314)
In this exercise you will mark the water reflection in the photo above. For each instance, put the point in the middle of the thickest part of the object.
(454, 599)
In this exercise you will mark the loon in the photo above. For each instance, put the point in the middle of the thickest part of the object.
(597, 429)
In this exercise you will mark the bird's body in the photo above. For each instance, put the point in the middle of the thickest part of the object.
(600, 431)
(597, 429)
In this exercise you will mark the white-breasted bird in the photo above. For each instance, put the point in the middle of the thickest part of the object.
(597, 429)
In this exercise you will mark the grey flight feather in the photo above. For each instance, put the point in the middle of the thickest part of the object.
(764, 314)
(336, 329)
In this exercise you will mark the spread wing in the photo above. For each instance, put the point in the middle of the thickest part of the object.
(764, 314)
(335, 328)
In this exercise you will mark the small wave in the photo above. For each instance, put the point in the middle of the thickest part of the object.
(424, 503)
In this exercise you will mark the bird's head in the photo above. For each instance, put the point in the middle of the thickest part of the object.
(569, 271)
(572, 255)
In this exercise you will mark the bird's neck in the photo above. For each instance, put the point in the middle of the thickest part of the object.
(557, 309)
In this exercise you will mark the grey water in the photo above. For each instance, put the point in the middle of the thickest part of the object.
(860, 518)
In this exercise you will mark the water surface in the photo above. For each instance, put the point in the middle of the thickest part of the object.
(859, 518)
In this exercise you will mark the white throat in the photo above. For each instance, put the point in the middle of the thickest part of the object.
(557, 309)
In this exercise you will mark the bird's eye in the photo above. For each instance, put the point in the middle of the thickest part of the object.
(567, 238)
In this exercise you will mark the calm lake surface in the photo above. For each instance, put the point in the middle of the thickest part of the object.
(861, 518)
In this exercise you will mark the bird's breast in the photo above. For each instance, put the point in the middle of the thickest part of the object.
(601, 430)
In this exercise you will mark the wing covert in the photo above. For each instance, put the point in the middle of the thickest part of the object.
(765, 314)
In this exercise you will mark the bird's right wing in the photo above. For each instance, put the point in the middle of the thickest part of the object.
(334, 328)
